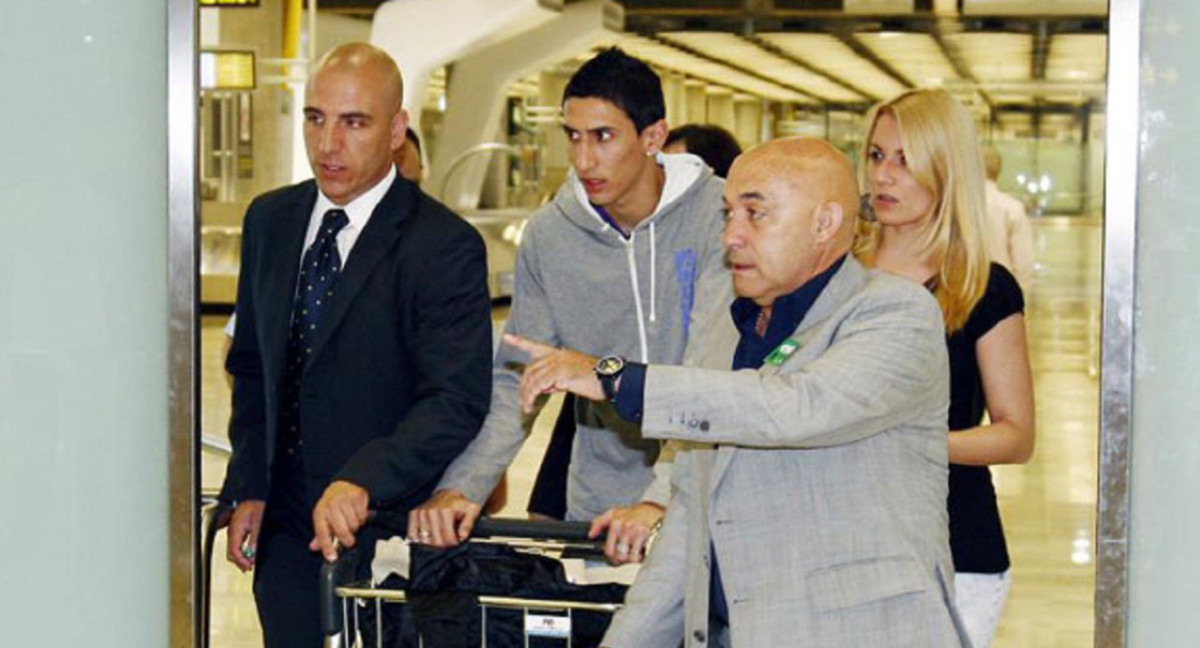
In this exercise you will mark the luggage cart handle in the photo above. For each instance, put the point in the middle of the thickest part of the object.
(490, 527)
(213, 516)
(534, 529)
(334, 575)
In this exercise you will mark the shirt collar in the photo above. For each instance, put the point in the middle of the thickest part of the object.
(607, 218)
(602, 213)
(788, 310)
(359, 210)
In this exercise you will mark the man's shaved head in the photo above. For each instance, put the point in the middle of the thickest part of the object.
(792, 208)
(817, 168)
(369, 61)
(354, 120)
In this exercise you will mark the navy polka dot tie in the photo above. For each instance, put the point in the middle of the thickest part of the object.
(318, 271)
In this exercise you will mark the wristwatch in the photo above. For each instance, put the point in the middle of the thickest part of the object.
(608, 369)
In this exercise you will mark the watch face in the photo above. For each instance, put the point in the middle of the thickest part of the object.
(609, 365)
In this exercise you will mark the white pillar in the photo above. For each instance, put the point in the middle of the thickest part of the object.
(720, 108)
(747, 116)
(1164, 577)
(556, 159)
(475, 89)
(424, 35)
(697, 102)
(675, 98)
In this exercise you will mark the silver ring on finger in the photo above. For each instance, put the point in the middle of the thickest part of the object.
(622, 549)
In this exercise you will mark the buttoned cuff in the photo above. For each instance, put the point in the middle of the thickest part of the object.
(631, 393)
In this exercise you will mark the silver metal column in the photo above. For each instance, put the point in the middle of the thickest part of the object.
(182, 339)
(1116, 406)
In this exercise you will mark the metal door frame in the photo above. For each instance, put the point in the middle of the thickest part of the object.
(1122, 124)
(1121, 193)
(183, 333)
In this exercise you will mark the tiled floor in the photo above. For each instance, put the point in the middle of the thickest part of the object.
(1048, 504)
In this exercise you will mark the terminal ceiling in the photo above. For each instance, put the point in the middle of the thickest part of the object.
(1012, 60)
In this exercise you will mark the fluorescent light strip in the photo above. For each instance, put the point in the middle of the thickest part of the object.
(748, 55)
(1034, 7)
(1077, 57)
(675, 59)
(916, 56)
(832, 56)
(994, 56)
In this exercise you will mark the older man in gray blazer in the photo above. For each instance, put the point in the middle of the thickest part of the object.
(810, 501)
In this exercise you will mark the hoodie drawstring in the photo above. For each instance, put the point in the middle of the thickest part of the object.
(653, 274)
(631, 253)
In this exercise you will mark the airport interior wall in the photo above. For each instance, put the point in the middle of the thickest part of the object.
(83, 325)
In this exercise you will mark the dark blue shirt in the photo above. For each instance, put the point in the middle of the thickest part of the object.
(786, 314)
(610, 220)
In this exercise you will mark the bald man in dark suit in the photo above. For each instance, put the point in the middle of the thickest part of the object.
(362, 351)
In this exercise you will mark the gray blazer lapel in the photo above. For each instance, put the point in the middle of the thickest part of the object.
(376, 241)
(724, 456)
(847, 281)
(717, 346)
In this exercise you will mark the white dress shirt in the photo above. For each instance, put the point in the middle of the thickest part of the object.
(358, 211)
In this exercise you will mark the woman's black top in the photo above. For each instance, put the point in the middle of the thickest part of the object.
(976, 534)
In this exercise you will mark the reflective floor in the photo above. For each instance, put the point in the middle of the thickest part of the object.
(1048, 504)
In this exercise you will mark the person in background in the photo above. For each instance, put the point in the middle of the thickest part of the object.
(627, 257)
(921, 163)
(361, 358)
(715, 145)
(408, 157)
(810, 508)
(1009, 231)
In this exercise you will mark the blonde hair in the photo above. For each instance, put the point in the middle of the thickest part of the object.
(942, 153)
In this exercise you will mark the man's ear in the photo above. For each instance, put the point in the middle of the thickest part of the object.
(827, 222)
(654, 137)
(399, 129)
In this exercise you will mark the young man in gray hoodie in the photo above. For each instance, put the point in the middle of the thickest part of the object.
(627, 259)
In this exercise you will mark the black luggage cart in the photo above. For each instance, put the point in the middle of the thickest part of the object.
(529, 604)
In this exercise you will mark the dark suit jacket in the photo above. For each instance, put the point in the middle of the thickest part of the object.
(400, 376)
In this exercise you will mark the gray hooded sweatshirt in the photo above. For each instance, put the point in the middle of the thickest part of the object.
(580, 284)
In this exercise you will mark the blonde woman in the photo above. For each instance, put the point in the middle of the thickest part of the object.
(923, 168)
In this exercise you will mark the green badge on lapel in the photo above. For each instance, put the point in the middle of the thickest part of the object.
(783, 352)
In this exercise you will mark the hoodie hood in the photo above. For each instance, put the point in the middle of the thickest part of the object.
(683, 170)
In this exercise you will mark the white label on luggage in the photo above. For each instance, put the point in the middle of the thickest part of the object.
(575, 570)
(557, 627)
